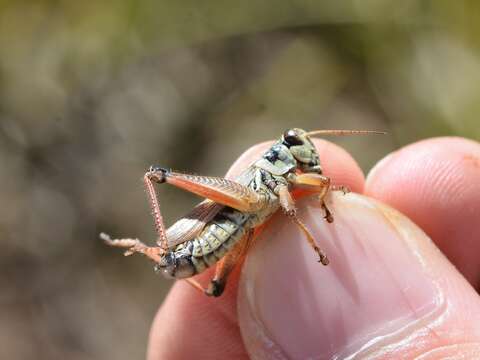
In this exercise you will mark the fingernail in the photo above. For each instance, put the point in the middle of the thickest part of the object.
(377, 283)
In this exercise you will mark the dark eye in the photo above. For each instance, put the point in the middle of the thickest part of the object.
(291, 138)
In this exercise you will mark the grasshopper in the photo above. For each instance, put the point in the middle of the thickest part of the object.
(220, 229)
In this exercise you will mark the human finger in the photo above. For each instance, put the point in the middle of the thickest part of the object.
(388, 293)
(190, 324)
(436, 182)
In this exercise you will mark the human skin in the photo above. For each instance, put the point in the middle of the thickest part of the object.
(388, 292)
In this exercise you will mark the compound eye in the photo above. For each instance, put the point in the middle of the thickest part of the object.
(291, 138)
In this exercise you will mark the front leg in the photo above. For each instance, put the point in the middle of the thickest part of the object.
(288, 205)
(317, 183)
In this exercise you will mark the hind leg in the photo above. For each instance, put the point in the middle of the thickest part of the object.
(133, 246)
(227, 264)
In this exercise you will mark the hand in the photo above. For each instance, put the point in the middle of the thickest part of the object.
(388, 292)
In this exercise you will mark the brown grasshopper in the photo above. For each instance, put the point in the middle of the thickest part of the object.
(220, 228)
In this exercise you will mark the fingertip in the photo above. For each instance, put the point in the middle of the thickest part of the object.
(387, 293)
(436, 182)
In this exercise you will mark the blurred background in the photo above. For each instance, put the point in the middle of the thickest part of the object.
(92, 93)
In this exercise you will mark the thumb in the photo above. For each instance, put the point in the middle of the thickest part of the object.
(387, 293)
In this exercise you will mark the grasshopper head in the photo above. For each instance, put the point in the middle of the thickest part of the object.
(302, 149)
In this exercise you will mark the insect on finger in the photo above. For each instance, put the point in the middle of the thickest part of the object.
(219, 230)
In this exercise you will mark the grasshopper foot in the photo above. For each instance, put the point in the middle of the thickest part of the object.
(133, 246)
(328, 215)
(323, 259)
(342, 188)
(215, 288)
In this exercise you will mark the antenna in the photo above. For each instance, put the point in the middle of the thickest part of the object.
(344, 132)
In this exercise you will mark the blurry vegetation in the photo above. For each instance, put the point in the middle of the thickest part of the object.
(92, 93)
